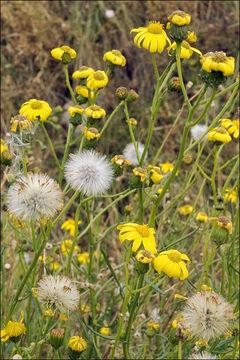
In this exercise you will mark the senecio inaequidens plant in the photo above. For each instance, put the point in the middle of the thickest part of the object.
(98, 270)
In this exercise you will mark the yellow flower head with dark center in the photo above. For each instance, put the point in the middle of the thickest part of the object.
(152, 37)
(104, 331)
(77, 343)
(115, 57)
(97, 80)
(13, 329)
(225, 223)
(73, 110)
(180, 18)
(120, 161)
(95, 112)
(185, 209)
(4, 148)
(153, 325)
(186, 50)
(232, 127)
(218, 61)
(83, 258)
(82, 73)
(91, 133)
(202, 217)
(171, 262)
(69, 225)
(230, 195)
(140, 172)
(35, 110)
(139, 234)
(66, 247)
(57, 53)
(55, 266)
(156, 175)
(145, 256)
(192, 37)
(20, 122)
(219, 134)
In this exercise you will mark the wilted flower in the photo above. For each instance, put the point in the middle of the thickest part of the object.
(77, 344)
(20, 122)
(179, 18)
(218, 61)
(95, 112)
(145, 256)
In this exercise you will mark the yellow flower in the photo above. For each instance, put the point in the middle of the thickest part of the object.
(83, 90)
(171, 263)
(55, 266)
(153, 325)
(230, 195)
(85, 308)
(178, 296)
(105, 331)
(218, 61)
(115, 57)
(186, 50)
(186, 209)
(180, 18)
(91, 133)
(77, 343)
(166, 167)
(192, 37)
(133, 121)
(145, 256)
(4, 148)
(138, 234)
(83, 258)
(66, 247)
(232, 126)
(13, 329)
(201, 342)
(202, 217)
(83, 72)
(120, 161)
(69, 225)
(35, 110)
(97, 80)
(46, 259)
(95, 112)
(156, 175)
(176, 321)
(58, 53)
(152, 37)
(219, 134)
(225, 223)
(63, 317)
(128, 208)
(49, 313)
(141, 172)
(34, 292)
(21, 122)
(73, 110)
(160, 190)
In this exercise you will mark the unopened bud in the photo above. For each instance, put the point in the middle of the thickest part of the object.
(132, 95)
(56, 338)
(187, 159)
(174, 84)
(121, 92)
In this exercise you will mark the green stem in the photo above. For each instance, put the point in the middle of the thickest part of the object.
(213, 177)
(207, 105)
(179, 69)
(155, 66)
(232, 86)
(230, 176)
(71, 129)
(50, 144)
(131, 130)
(68, 84)
(149, 285)
(110, 117)
(66, 207)
(179, 349)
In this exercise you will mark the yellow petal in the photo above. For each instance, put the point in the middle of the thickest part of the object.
(150, 244)
(136, 244)
(184, 274)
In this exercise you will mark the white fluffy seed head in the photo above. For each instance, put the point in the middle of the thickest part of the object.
(207, 315)
(58, 293)
(198, 130)
(34, 197)
(203, 355)
(130, 154)
(89, 172)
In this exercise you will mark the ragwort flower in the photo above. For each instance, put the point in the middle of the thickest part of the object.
(186, 50)
(202, 217)
(218, 61)
(232, 127)
(66, 247)
(230, 195)
(97, 80)
(91, 133)
(20, 122)
(219, 134)
(77, 344)
(69, 225)
(95, 112)
(13, 330)
(145, 256)
(82, 73)
(138, 234)
(64, 53)
(152, 37)
(171, 262)
(185, 209)
(179, 18)
(35, 110)
(115, 57)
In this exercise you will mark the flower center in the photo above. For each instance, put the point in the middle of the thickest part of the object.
(117, 53)
(82, 68)
(36, 104)
(65, 48)
(95, 107)
(219, 56)
(155, 27)
(98, 75)
(221, 130)
(174, 256)
(143, 230)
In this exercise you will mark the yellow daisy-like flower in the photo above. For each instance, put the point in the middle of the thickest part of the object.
(139, 234)
(77, 343)
(185, 210)
(230, 195)
(35, 110)
(34, 292)
(166, 167)
(186, 50)
(115, 57)
(66, 247)
(49, 313)
(21, 122)
(104, 331)
(73, 110)
(55, 266)
(153, 325)
(13, 329)
(232, 127)
(69, 225)
(145, 256)
(140, 172)
(171, 262)
(97, 80)
(219, 134)
(95, 112)
(83, 90)
(120, 161)
(218, 61)
(58, 53)
(152, 37)
(192, 37)
(160, 190)
(91, 133)
(180, 18)
(83, 258)
(202, 217)
(83, 72)
(156, 175)
(4, 147)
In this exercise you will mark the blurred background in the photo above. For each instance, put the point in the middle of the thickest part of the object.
(30, 29)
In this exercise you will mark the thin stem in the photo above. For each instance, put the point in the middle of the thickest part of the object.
(148, 286)
(68, 83)
(71, 130)
(131, 131)
(215, 163)
(50, 144)
(66, 207)
(155, 66)
(207, 105)
(179, 69)
(110, 117)
(179, 349)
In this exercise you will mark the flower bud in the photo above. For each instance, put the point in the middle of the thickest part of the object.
(121, 93)
(187, 159)
(174, 84)
(132, 96)
(56, 338)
